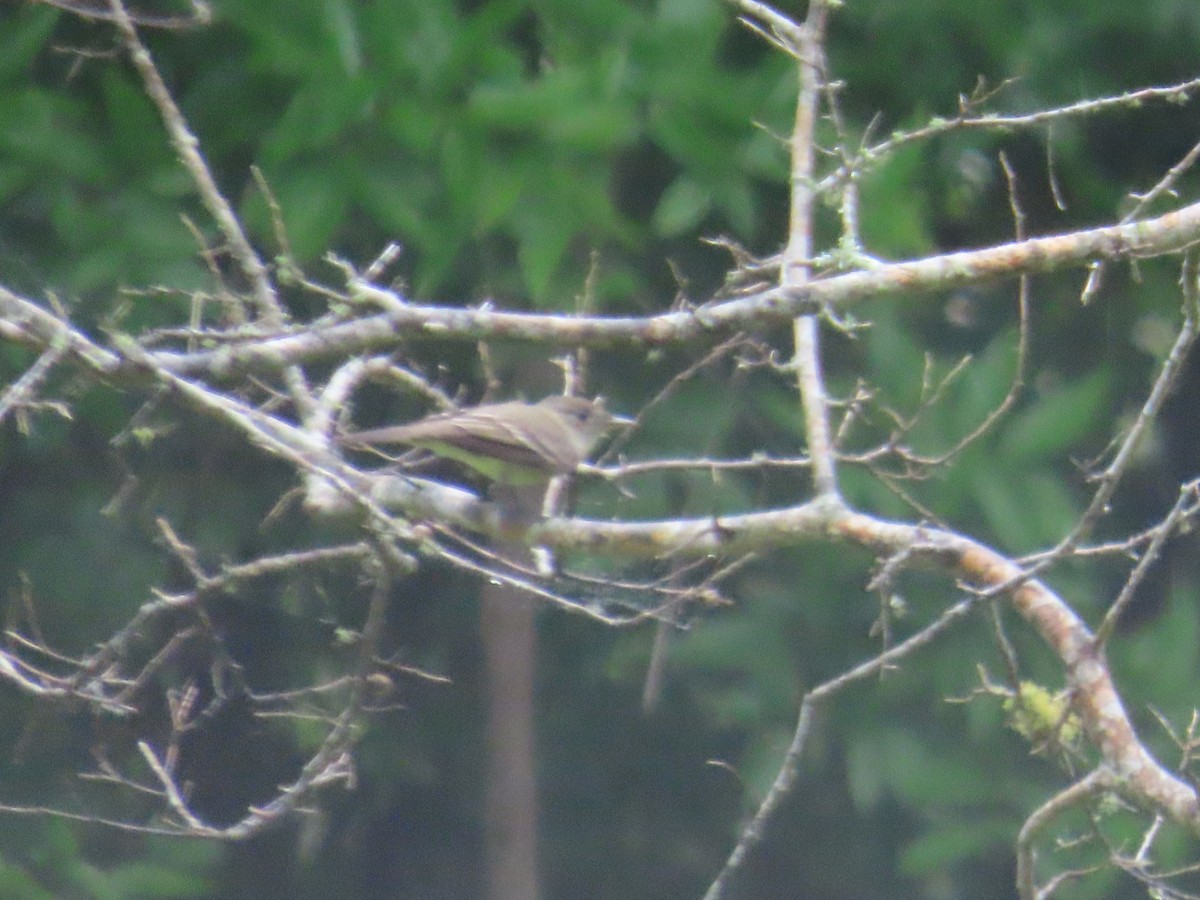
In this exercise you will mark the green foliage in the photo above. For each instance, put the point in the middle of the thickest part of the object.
(895, 202)
(20, 885)
(945, 846)
(502, 142)
(1163, 660)
(166, 871)
(1060, 419)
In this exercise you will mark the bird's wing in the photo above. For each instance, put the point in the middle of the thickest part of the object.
(522, 434)
(516, 433)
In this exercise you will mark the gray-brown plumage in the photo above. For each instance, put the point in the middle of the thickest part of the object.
(511, 443)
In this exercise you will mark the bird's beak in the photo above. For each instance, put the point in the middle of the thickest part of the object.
(615, 419)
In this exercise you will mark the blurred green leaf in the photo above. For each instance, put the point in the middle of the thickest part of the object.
(525, 106)
(886, 762)
(895, 358)
(313, 201)
(305, 44)
(1023, 508)
(41, 128)
(982, 386)
(15, 884)
(23, 37)
(1168, 654)
(894, 210)
(682, 205)
(502, 179)
(1059, 418)
(133, 126)
(155, 880)
(942, 847)
(319, 113)
(396, 196)
(543, 241)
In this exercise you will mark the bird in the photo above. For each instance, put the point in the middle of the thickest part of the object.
(515, 442)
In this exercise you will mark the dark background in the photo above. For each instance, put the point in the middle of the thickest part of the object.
(504, 143)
